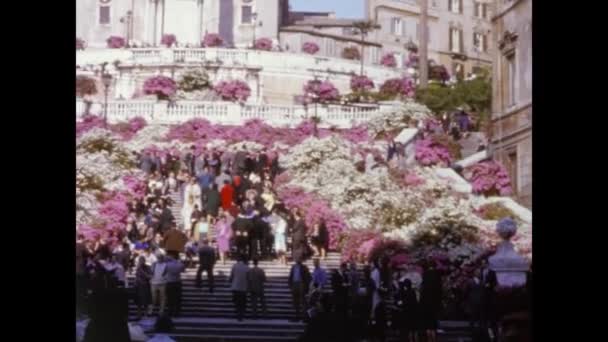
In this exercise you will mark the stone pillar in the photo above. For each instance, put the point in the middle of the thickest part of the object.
(509, 266)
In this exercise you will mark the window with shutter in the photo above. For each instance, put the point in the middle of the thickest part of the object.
(459, 6)
(246, 17)
(451, 34)
(476, 6)
(484, 11)
(104, 15)
(484, 44)
(460, 42)
(403, 28)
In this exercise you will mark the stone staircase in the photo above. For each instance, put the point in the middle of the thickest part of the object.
(470, 144)
(211, 316)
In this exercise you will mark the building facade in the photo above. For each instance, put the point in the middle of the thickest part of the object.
(145, 21)
(459, 31)
(512, 94)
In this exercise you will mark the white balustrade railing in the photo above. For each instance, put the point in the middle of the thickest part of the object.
(270, 60)
(231, 113)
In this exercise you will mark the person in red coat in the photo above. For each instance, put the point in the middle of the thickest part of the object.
(227, 195)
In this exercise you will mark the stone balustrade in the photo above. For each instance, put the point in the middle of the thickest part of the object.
(233, 113)
(268, 60)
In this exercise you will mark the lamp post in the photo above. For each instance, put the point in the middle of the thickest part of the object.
(106, 78)
(254, 19)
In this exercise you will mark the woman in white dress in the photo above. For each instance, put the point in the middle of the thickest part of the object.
(189, 202)
(279, 227)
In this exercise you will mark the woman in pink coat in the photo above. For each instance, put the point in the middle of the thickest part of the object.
(223, 229)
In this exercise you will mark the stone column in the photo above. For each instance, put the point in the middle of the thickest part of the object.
(509, 266)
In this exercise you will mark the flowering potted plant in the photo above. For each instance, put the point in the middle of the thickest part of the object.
(351, 52)
(397, 87)
(116, 42)
(389, 60)
(212, 40)
(310, 48)
(168, 40)
(85, 86)
(489, 178)
(235, 90)
(162, 86)
(264, 44)
(80, 44)
(361, 87)
(321, 91)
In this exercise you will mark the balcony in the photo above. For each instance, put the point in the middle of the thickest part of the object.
(229, 113)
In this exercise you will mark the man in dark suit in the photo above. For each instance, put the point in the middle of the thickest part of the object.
(166, 218)
(262, 161)
(299, 280)
(206, 257)
(242, 227)
(340, 284)
(255, 281)
(299, 242)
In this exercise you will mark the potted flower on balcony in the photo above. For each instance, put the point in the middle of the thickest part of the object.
(389, 60)
(396, 88)
(310, 48)
(80, 44)
(351, 52)
(212, 40)
(162, 86)
(264, 44)
(234, 90)
(85, 87)
(168, 40)
(116, 42)
(361, 87)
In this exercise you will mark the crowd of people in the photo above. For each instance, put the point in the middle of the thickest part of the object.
(231, 211)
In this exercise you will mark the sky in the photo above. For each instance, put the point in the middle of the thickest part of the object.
(343, 8)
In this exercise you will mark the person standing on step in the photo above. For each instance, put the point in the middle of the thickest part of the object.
(223, 229)
(175, 240)
(174, 283)
(227, 195)
(407, 302)
(319, 275)
(213, 201)
(238, 286)
(340, 284)
(279, 230)
(158, 285)
(355, 281)
(430, 300)
(256, 277)
(143, 273)
(206, 260)
(299, 241)
(242, 227)
(299, 280)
